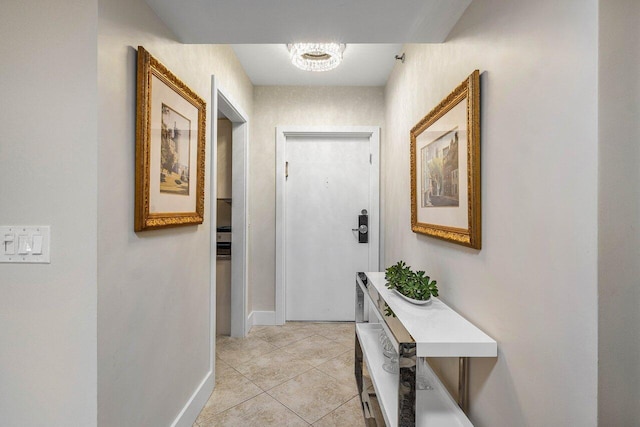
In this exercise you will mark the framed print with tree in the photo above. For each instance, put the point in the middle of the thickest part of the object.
(445, 168)
(170, 148)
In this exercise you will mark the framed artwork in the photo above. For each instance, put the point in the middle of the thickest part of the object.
(445, 168)
(170, 148)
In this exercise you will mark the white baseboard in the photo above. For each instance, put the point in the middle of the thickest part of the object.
(267, 318)
(192, 409)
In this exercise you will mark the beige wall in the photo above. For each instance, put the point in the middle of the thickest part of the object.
(287, 106)
(48, 159)
(533, 286)
(619, 213)
(153, 287)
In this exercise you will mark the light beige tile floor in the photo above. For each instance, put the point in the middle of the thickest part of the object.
(298, 374)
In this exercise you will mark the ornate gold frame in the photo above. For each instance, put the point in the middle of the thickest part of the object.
(148, 66)
(468, 90)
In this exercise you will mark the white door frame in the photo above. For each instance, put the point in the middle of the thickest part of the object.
(221, 102)
(239, 209)
(282, 133)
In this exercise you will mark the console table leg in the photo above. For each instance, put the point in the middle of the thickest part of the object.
(407, 385)
(463, 383)
(358, 367)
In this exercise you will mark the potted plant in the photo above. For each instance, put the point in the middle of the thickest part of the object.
(414, 286)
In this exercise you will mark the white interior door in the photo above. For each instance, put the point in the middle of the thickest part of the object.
(327, 185)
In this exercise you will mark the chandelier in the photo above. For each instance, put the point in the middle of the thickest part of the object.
(316, 56)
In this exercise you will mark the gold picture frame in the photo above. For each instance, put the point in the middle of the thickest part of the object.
(170, 148)
(445, 168)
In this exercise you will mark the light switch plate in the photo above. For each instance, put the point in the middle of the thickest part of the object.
(25, 244)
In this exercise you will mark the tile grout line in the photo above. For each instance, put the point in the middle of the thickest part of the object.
(285, 381)
(218, 356)
(297, 415)
(328, 360)
(321, 372)
(309, 367)
(280, 403)
(293, 342)
(237, 404)
(248, 379)
(326, 415)
(291, 379)
(263, 390)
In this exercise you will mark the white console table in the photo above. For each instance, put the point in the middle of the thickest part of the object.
(417, 332)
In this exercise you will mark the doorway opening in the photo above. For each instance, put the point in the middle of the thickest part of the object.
(327, 179)
(224, 202)
(229, 208)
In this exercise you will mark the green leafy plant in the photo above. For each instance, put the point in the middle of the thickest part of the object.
(413, 284)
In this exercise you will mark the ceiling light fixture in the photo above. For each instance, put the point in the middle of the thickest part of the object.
(316, 56)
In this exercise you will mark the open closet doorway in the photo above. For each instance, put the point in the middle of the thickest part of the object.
(228, 195)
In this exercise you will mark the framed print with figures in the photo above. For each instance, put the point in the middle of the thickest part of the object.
(445, 168)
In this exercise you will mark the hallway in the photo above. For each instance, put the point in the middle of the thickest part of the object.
(298, 374)
(119, 328)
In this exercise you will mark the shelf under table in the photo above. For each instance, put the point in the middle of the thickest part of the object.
(434, 407)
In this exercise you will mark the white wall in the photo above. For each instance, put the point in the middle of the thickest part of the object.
(48, 159)
(619, 213)
(288, 106)
(153, 299)
(533, 286)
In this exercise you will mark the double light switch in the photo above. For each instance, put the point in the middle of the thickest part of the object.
(25, 244)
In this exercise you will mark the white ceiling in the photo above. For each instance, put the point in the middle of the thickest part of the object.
(372, 29)
(363, 65)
